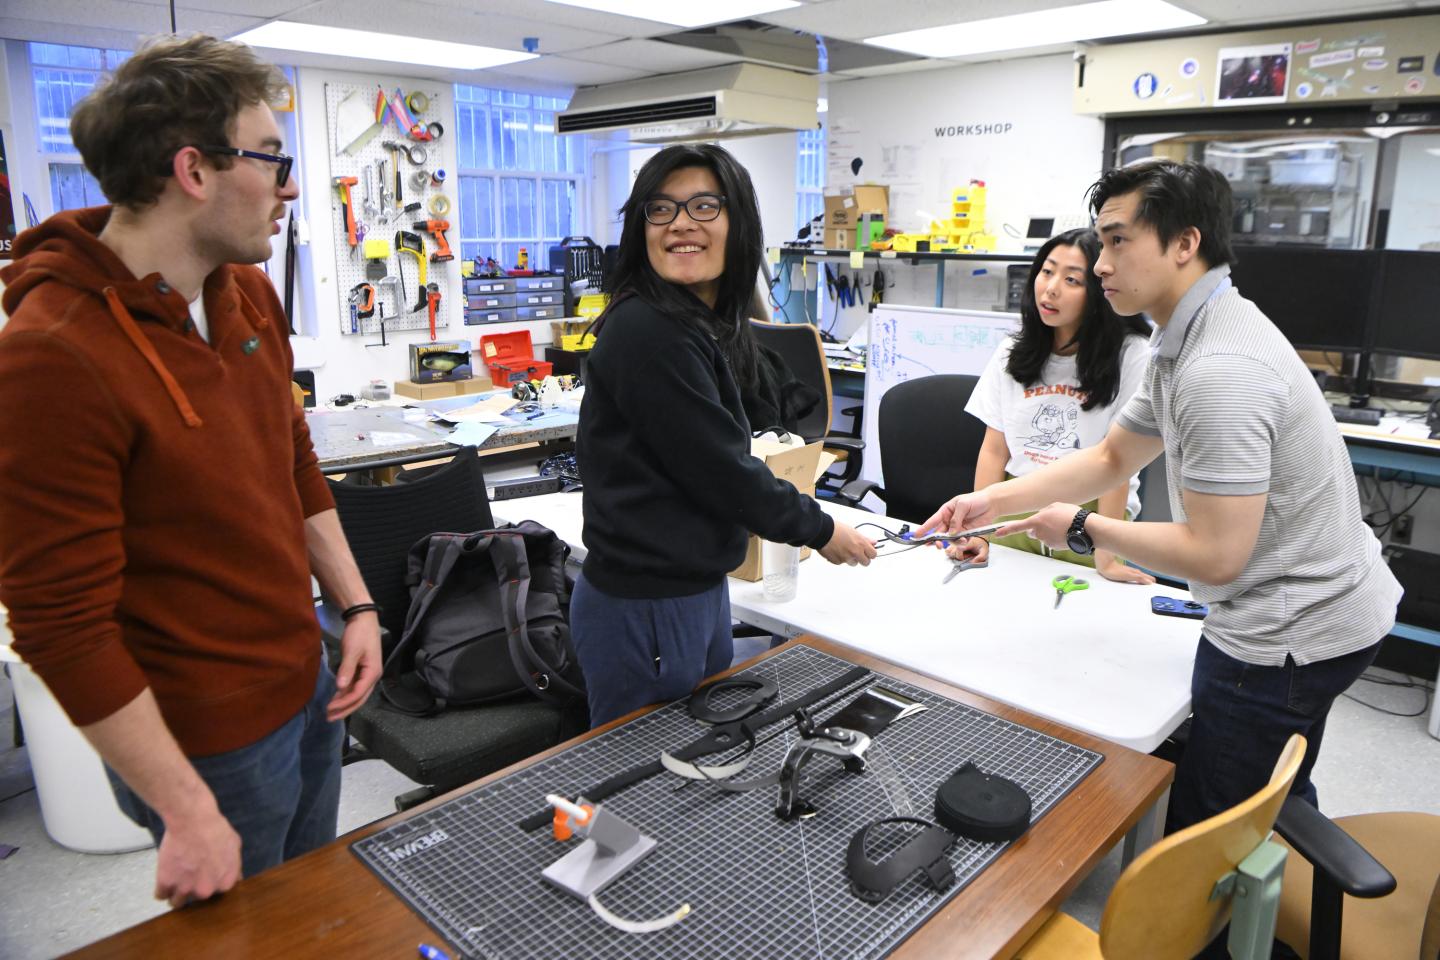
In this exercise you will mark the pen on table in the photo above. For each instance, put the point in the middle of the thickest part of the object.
(433, 953)
(536, 415)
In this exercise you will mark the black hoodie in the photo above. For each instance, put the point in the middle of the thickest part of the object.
(671, 490)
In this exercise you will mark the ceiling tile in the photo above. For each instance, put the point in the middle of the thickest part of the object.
(566, 72)
(651, 56)
(1241, 13)
(65, 21)
(858, 19)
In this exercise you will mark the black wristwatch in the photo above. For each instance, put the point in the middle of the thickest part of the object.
(1076, 538)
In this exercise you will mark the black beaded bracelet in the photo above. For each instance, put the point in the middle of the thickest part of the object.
(358, 609)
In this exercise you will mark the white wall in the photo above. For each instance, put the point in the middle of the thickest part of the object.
(924, 134)
(771, 161)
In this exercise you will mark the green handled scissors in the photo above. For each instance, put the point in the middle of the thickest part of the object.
(1067, 584)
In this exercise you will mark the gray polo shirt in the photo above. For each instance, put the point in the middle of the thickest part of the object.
(1240, 414)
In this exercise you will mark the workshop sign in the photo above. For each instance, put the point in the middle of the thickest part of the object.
(974, 129)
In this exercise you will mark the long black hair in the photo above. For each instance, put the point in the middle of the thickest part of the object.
(1101, 335)
(634, 276)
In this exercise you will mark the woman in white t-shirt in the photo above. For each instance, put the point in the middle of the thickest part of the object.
(1055, 387)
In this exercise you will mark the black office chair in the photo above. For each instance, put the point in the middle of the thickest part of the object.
(798, 344)
(462, 744)
(928, 447)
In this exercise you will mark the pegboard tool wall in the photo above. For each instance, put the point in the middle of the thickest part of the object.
(440, 154)
(758, 886)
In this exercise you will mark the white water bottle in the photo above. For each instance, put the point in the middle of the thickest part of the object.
(781, 566)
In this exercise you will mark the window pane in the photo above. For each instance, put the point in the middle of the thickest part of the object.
(510, 132)
(474, 140)
(517, 208)
(510, 255)
(476, 250)
(56, 93)
(71, 186)
(477, 208)
(549, 150)
(559, 207)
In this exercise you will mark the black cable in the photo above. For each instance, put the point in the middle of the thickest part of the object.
(1384, 681)
(21, 793)
(172, 17)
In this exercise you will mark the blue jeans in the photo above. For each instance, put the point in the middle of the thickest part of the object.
(281, 793)
(637, 652)
(1243, 715)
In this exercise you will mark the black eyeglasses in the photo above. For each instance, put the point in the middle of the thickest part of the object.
(701, 208)
(282, 171)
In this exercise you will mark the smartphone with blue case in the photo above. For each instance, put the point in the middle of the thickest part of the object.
(1170, 607)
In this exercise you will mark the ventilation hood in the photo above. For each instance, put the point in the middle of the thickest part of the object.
(736, 100)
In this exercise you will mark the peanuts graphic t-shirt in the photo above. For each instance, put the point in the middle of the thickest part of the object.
(1043, 422)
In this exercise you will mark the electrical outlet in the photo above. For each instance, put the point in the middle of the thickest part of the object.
(523, 487)
(1400, 532)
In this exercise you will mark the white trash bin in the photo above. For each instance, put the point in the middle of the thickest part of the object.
(76, 801)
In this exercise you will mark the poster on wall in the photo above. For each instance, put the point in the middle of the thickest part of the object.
(7, 209)
(1252, 75)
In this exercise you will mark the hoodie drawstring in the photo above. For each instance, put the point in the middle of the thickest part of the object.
(147, 350)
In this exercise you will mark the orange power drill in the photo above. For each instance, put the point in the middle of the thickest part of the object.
(436, 229)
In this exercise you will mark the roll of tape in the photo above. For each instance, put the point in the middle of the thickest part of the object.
(439, 205)
(435, 130)
(417, 102)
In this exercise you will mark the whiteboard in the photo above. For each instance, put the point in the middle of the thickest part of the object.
(908, 342)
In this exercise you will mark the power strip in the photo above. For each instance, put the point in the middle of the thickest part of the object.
(523, 487)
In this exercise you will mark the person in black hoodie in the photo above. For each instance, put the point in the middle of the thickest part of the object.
(671, 491)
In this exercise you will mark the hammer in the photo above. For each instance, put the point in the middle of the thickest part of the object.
(343, 185)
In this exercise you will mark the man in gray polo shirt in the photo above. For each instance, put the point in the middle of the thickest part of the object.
(1267, 527)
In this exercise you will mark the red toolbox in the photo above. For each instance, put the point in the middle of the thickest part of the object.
(511, 358)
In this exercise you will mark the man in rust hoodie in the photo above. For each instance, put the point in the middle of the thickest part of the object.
(161, 510)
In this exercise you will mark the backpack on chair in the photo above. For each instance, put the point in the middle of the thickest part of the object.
(488, 620)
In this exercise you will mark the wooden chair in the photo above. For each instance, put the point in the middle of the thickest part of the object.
(1178, 895)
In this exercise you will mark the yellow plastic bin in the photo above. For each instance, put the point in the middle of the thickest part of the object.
(76, 803)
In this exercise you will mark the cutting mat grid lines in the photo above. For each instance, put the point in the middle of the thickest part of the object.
(758, 887)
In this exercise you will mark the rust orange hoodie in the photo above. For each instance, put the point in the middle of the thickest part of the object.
(153, 491)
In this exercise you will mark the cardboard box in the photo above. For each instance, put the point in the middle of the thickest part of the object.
(464, 388)
(439, 361)
(426, 391)
(801, 466)
(843, 213)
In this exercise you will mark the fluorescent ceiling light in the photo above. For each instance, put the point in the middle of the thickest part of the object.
(684, 13)
(1088, 21)
(386, 47)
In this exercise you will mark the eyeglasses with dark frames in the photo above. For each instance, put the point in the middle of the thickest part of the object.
(701, 208)
(282, 170)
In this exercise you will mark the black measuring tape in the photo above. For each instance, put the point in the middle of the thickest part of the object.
(718, 739)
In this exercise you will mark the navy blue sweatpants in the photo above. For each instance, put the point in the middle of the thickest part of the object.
(637, 652)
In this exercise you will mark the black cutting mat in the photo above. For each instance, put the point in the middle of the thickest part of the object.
(757, 886)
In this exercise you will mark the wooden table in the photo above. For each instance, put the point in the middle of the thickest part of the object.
(327, 904)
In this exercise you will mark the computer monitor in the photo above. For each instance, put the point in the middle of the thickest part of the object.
(1320, 299)
(1407, 321)
(1040, 229)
